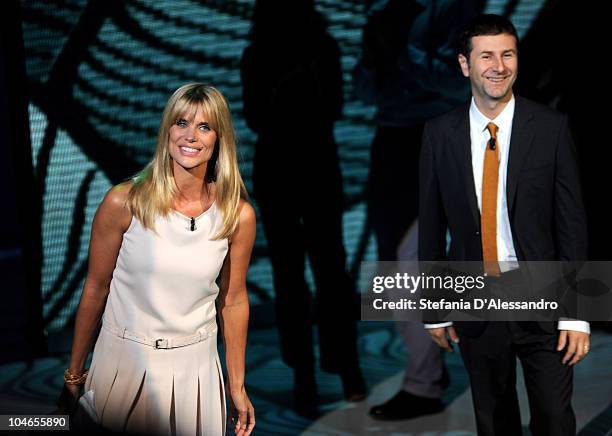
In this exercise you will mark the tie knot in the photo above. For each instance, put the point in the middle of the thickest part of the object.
(492, 128)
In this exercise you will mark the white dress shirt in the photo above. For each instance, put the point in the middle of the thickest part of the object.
(479, 137)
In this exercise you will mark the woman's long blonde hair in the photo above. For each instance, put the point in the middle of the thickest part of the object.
(154, 188)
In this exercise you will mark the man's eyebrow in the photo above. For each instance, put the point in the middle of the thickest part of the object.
(506, 50)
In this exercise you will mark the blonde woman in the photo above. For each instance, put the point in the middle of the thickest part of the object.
(159, 242)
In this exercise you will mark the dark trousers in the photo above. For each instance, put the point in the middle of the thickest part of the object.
(393, 186)
(393, 204)
(301, 210)
(490, 359)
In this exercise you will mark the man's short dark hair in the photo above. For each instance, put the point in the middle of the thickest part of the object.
(482, 25)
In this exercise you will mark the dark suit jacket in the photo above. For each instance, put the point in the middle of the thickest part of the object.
(545, 207)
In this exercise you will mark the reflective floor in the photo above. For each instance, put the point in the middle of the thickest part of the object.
(33, 387)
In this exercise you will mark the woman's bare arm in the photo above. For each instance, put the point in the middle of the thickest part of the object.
(234, 314)
(110, 223)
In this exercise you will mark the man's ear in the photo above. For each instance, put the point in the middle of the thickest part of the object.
(464, 64)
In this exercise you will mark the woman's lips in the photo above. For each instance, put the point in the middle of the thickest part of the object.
(189, 151)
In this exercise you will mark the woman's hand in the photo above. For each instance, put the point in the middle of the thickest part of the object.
(242, 412)
(69, 399)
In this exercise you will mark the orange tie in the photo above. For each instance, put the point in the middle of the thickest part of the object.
(488, 213)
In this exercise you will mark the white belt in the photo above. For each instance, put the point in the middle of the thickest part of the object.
(209, 329)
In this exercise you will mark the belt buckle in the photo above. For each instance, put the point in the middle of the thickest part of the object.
(161, 343)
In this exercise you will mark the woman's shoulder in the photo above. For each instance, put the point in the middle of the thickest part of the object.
(246, 212)
(116, 197)
(246, 228)
(114, 206)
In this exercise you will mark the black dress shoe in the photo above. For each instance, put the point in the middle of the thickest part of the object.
(353, 384)
(405, 405)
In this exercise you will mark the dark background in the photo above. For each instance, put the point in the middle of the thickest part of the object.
(83, 86)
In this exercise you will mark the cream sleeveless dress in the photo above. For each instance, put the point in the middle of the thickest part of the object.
(155, 366)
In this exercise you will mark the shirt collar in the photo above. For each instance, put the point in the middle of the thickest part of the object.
(503, 121)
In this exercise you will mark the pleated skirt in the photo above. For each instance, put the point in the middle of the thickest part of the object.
(139, 389)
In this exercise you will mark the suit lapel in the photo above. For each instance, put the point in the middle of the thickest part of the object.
(520, 144)
(462, 149)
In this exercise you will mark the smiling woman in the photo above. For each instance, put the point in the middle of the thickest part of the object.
(158, 245)
(196, 141)
(191, 137)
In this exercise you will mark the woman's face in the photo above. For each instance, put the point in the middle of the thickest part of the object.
(192, 140)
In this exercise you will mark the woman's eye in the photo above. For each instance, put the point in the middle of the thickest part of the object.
(181, 123)
(204, 127)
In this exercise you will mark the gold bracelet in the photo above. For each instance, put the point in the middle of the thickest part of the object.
(72, 379)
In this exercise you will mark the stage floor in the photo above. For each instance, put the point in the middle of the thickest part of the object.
(33, 387)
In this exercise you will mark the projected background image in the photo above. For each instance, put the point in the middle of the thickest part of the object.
(99, 74)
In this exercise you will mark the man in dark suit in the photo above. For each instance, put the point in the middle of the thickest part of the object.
(500, 174)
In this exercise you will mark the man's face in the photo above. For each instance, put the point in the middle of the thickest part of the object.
(492, 66)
